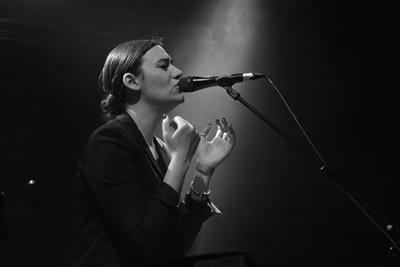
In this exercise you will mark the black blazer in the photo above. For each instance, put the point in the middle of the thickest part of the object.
(128, 215)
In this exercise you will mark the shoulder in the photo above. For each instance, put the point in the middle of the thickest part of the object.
(111, 129)
(110, 126)
(111, 134)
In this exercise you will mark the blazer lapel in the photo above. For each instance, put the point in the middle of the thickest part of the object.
(130, 124)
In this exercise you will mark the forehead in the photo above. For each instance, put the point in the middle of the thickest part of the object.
(155, 54)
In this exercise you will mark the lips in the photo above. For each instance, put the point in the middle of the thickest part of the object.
(178, 86)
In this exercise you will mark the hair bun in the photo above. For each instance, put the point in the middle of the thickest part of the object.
(111, 106)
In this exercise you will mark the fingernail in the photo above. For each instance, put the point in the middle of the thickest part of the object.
(164, 116)
(209, 124)
(217, 121)
(224, 119)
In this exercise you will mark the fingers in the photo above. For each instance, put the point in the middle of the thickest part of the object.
(176, 124)
(167, 125)
(226, 131)
(180, 137)
(220, 131)
(231, 131)
(205, 132)
(179, 122)
(184, 126)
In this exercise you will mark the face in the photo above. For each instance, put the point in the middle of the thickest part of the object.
(159, 86)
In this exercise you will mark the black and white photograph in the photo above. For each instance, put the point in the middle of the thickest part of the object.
(199, 133)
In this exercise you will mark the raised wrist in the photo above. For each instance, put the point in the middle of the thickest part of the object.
(199, 186)
(181, 163)
(203, 195)
(204, 169)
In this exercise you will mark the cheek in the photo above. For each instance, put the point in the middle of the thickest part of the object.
(160, 82)
(155, 81)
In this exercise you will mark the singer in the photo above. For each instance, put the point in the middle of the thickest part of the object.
(130, 182)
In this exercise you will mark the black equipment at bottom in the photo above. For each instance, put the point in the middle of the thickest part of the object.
(228, 259)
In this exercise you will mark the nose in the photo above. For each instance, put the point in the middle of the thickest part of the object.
(177, 73)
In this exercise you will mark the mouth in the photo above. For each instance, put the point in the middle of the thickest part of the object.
(177, 85)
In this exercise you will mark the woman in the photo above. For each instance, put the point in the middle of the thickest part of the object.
(129, 181)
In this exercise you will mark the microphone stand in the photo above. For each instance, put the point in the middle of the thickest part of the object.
(388, 230)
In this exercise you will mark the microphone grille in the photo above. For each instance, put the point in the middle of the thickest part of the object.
(186, 84)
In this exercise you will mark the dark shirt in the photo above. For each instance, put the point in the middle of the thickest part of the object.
(128, 215)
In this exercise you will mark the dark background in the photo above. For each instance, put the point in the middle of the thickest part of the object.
(336, 63)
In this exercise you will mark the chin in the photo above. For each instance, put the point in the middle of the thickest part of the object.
(180, 98)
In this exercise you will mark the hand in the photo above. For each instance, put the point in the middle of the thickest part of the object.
(212, 153)
(180, 137)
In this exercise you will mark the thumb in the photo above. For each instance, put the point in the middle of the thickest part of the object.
(166, 125)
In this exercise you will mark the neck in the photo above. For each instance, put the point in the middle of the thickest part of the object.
(147, 121)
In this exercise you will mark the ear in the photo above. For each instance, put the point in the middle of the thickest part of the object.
(131, 81)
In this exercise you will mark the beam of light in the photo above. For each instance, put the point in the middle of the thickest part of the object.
(222, 38)
(221, 41)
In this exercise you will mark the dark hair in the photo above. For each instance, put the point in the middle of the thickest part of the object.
(126, 57)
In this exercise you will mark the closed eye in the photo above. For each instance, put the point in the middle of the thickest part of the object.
(164, 66)
(164, 63)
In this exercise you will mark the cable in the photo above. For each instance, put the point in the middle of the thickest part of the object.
(365, 209)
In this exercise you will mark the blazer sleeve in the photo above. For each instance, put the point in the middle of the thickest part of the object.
(192, 222)
(197, 213)
(136, 209)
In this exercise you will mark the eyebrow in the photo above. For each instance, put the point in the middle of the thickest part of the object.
(166, 59)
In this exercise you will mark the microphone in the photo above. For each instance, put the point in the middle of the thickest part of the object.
(193, 83)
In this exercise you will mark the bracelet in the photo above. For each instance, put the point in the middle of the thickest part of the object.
(204, 169)
(200, 195)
